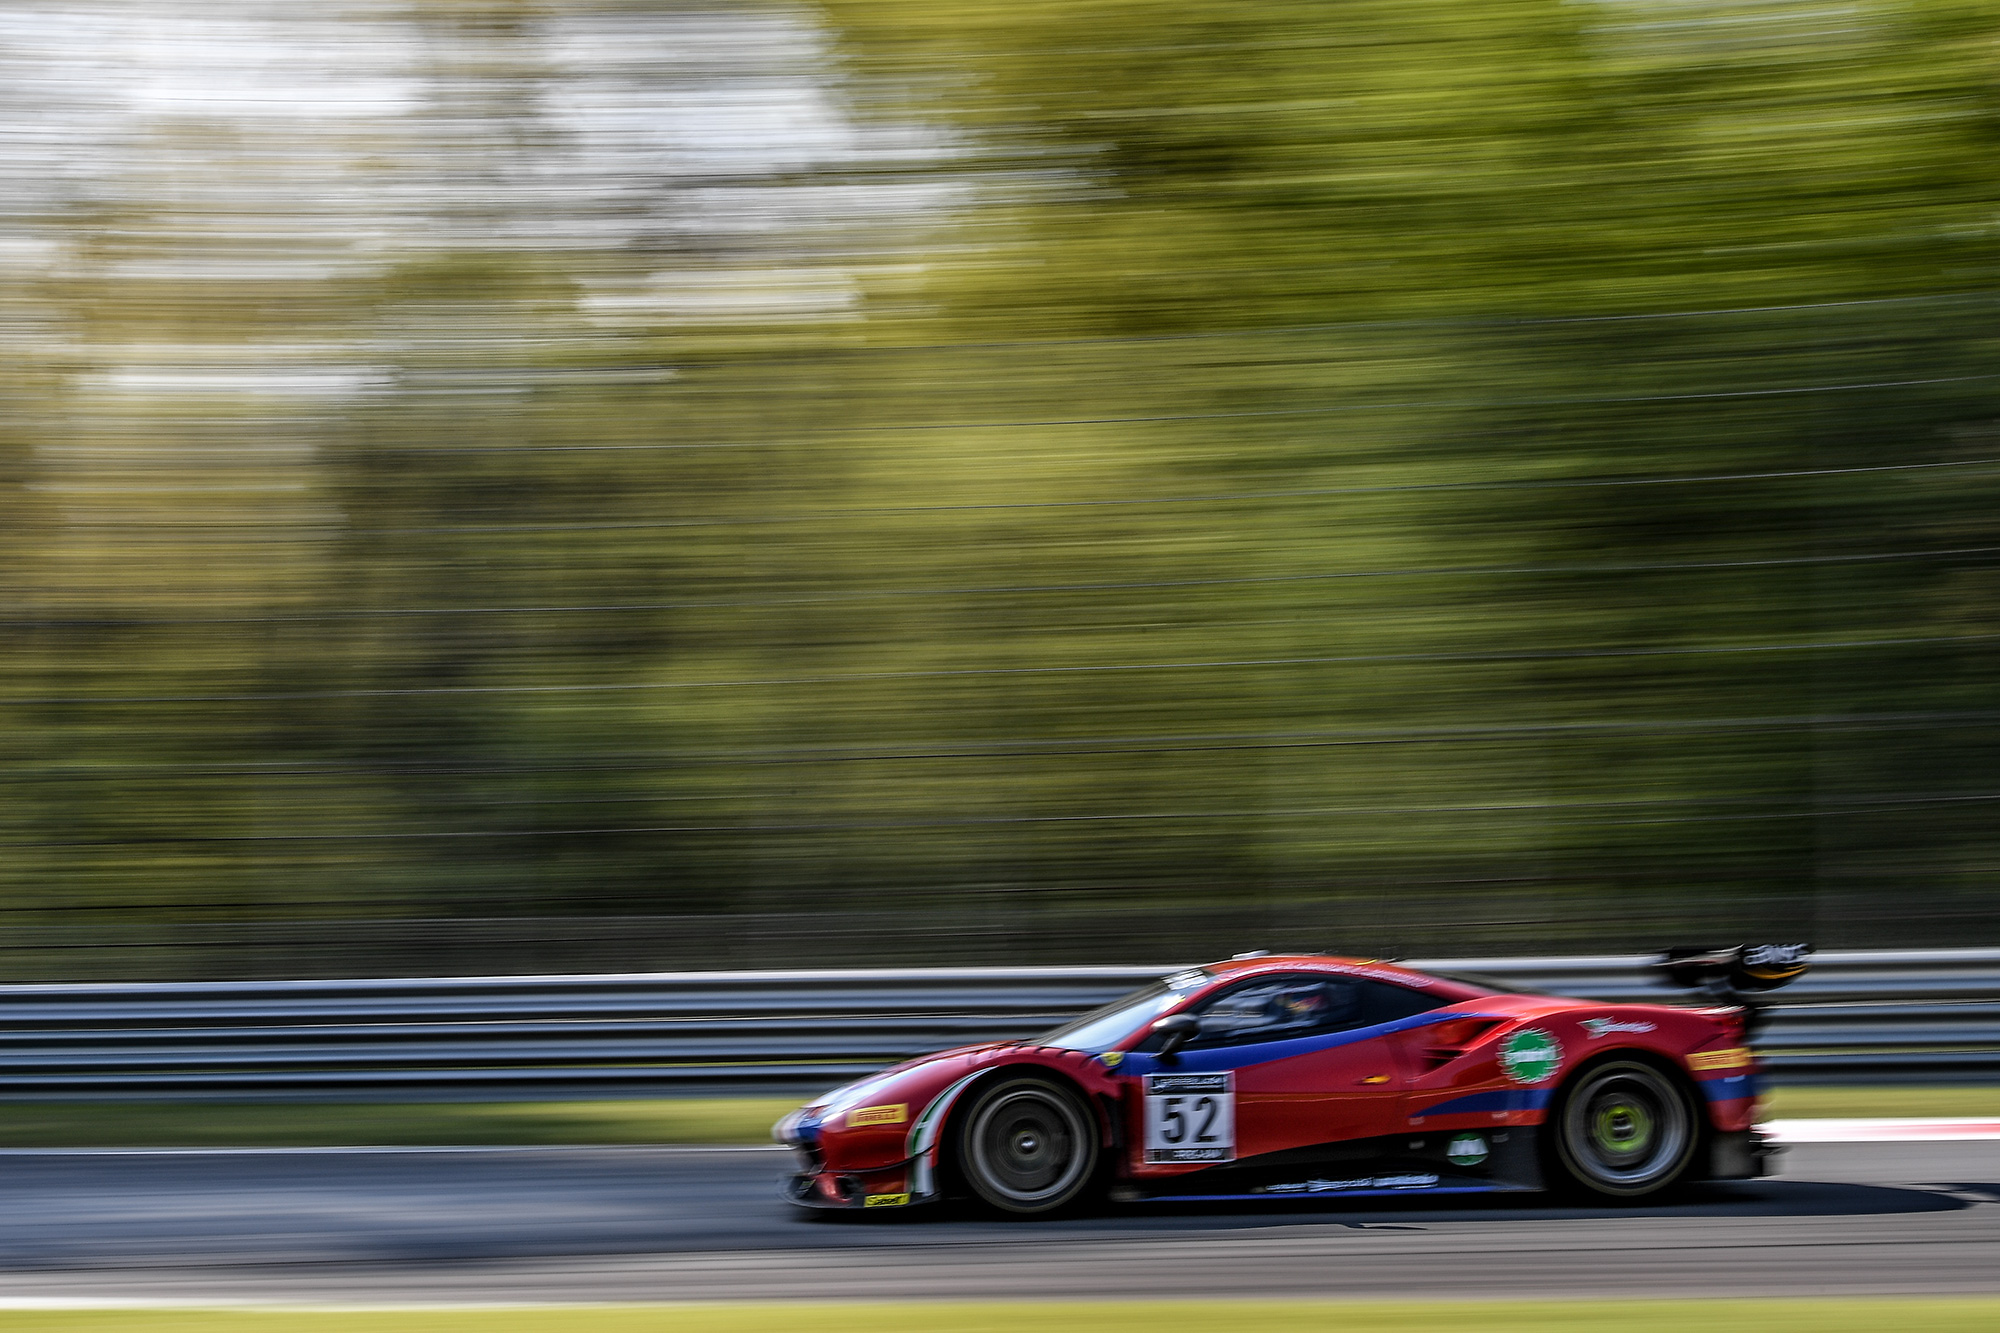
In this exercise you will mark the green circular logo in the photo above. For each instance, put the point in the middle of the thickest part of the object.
(1530, 1055)
(1466, 1150)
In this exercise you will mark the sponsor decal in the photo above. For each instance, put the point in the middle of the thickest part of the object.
(1191, 1117)
(886, 1201)
(1736, 1057)
(1531, 1056)
(1185, 980)
(1406, 1182)
(1112, 1059)
(1466, 1150)
(1777, 957)
(1599, 1027)
(1165, 1083)
(878, 1115)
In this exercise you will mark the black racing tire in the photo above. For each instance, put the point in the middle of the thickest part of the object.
(1622, 1128)
(1026, 1145)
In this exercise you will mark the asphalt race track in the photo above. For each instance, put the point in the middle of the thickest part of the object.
(643, 1224)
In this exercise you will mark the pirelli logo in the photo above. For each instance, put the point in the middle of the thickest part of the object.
(878, 1115)
(1736, 1057)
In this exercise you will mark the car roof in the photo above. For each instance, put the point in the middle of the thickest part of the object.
(1378, 969)
(1253, 962)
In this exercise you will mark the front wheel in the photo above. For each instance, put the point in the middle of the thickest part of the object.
(1623, 1130)
(1027, 1145)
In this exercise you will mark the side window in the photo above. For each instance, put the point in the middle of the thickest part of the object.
(1385, 1003)
(1274, 1008)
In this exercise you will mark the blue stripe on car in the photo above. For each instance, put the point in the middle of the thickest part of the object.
(1729, 1087)
(1501, 1099)
(1221, 1058)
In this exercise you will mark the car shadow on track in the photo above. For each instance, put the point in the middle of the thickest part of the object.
(1763, 1198)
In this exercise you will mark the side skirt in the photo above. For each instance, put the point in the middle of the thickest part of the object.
(1417, 1163)
(1422, 1192)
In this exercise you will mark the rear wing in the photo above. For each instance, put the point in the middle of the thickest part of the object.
(1734, 976)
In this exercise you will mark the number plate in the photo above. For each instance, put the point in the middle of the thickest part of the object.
(1190, 1118)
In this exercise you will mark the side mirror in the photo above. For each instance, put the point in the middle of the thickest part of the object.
(1174, 1032)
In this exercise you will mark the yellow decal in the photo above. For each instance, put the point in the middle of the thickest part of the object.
(878, 1115)
(1112, 1059)
(885, 1201)
(1736, 1057)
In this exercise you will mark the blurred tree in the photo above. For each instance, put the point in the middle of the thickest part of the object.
(589, 484)
(1537, 203)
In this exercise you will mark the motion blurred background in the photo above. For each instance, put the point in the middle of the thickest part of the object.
(587, 485)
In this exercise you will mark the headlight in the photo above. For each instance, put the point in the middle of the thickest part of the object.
(782, 1131)
(798, 1127)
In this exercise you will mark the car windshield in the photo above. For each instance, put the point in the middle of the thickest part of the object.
(1102, 1029)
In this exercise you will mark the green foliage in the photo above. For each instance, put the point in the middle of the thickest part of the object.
(1398, 476)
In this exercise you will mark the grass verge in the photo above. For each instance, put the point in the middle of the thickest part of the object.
(1712, 1316)
(722, 1120)
(1825, 1103)
(693, 1120)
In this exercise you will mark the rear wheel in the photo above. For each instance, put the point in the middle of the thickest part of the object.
(1623, 1129)
(1027, 1145)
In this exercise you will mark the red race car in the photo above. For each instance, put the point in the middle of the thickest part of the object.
(1309, 1076)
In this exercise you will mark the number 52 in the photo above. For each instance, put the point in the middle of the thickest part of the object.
(1176, 1121)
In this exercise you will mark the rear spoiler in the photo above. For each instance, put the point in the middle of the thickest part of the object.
(1734, 976)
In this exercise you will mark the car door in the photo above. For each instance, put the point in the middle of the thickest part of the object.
(1281, 1062)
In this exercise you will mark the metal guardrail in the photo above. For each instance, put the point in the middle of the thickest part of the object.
(1880, 1016)
(1905, 1015)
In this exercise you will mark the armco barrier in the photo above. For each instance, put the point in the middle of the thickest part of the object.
(1889, 1016)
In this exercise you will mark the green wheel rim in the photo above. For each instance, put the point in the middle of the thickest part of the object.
(1625, 1129)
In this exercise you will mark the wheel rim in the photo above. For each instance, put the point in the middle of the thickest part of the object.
(1626, 1128)
(1028, 1145)
(1621, 1128)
